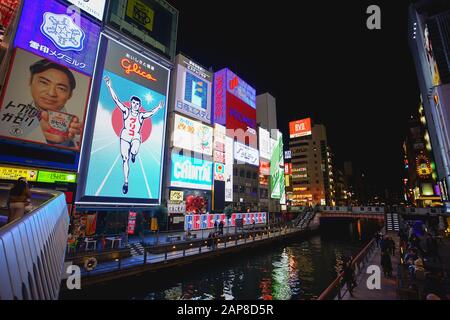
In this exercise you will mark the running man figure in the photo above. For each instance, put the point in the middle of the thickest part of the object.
(130, 137)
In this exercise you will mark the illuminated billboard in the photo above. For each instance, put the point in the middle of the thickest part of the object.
(234, 101)
(246, 154)
(44, 102)
(192, 135)
(193, 90)
(95, 7)
(219, 171)
(264, 172)
(300, 128)
(432, 64)
(151, 22)
(277, 171)
(46, 29)
(264, 144)
(239, 114)
(188, 172)
(123, 164)
(240, 89)
(229, 162)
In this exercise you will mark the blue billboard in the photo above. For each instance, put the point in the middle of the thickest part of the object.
(191, 173)
(57, 33)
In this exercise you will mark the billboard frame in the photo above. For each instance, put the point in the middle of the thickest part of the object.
(81, 200)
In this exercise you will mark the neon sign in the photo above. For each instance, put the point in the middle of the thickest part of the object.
(130, 67)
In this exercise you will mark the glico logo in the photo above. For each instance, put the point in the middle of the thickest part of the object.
(133, 67)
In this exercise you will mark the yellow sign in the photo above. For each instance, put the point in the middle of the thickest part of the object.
(8, 173)
(141, 13)
(176, 196)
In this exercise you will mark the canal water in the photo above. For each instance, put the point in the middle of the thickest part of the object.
(294, 269)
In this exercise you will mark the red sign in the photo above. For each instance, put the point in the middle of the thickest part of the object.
(264, 168)
(131, 222)
(288, 168)
(300, 128)
(239, 114)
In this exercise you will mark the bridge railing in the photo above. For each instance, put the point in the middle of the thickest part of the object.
(337, 289)
(32, 251)
(356, 210)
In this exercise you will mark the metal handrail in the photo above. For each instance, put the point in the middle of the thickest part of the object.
(362, 255)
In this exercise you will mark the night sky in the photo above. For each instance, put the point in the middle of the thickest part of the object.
(319, 60)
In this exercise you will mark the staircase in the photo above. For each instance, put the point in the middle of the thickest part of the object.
(136, 249)
(392, 222)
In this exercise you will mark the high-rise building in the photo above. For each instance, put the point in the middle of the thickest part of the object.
(420, 183)
(429, 39)
(310, 164)
(267, 121)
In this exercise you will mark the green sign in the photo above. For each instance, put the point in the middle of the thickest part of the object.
(276, 170)
(52, 177)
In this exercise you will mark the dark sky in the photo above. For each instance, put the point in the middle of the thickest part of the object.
(319, 60)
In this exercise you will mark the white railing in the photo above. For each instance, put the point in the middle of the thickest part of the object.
(32, 251)
(355, 210)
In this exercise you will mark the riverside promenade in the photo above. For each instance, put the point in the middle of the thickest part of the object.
(182, 252)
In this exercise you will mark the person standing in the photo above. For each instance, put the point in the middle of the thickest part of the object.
(348, 276)
(19, 199)
(386, 264)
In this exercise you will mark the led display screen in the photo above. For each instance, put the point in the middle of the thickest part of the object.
(124, 162)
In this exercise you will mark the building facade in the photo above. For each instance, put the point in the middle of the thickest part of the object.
(310, 168)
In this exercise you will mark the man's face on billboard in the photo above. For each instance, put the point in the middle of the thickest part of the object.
(135, 105)
(50, 89)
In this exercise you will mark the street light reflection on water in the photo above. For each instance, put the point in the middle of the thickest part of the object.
(296, 269)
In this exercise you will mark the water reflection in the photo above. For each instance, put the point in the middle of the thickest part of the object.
(295, 270)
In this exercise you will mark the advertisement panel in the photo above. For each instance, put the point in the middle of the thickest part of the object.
(432, 64)
(220, 82)
(49, 29)
(151, 22)
(300, 128)
(264, 168)
(9, 173)
(229, 161)
(193, 90)
(44, 102)
(276, 172)
(219, 171)
(176, 196)
(95, 8)
(246, 154)
(240, 115)
(192, 135)
(126, 156)
(56, 177)
(240, 89)
(187, 172)
(264, 144)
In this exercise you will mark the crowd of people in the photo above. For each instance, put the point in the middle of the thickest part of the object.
(420, 256)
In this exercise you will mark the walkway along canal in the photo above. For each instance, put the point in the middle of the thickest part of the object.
(298, 267)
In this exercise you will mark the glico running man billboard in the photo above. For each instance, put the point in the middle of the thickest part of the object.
(124, 162)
